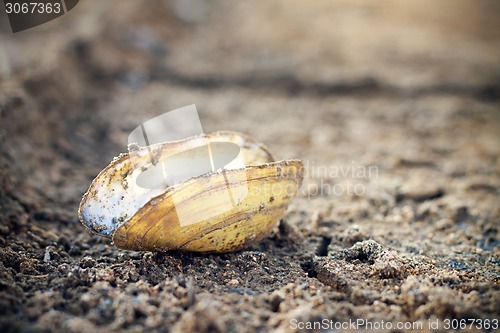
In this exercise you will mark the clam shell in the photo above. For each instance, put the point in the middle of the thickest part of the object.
(216, 211)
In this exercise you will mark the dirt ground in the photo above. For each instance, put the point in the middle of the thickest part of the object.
(392, 105)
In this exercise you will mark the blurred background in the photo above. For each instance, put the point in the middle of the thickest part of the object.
(333, 83)
(410, 87)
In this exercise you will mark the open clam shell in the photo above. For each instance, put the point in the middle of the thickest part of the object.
(224, 207)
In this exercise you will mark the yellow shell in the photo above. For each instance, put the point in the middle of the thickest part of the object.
(217, 211)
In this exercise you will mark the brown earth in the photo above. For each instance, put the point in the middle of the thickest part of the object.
(407, 90)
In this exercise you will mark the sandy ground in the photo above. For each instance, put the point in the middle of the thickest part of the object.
(392, 105)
